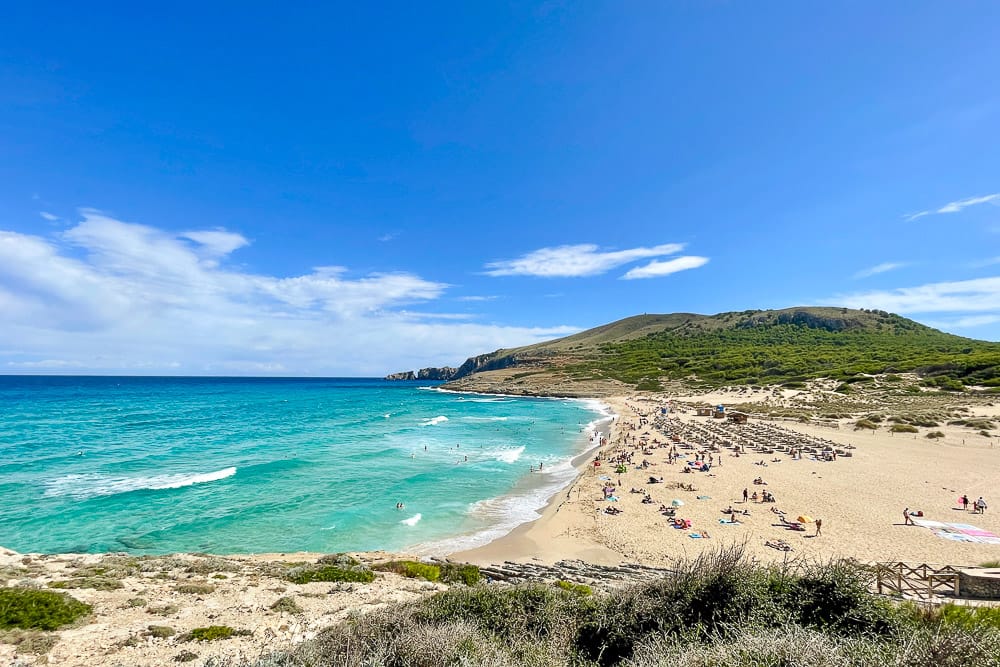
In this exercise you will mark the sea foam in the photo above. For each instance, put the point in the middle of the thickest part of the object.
(435, 421)
(509, 455)
(413, 520)
(93, 485)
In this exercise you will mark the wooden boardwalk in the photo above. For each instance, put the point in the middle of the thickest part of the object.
(922, 581)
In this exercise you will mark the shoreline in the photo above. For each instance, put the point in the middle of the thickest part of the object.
(859, 496)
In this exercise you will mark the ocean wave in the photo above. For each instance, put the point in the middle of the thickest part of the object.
(500, 515)
(413, 520)
(93, 485)
(485, 419)
(509, 455)
(435, 421)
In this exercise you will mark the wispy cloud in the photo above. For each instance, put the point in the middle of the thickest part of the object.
(659, 269)
(955, 206)
(879, 268)
(48, 216)
(574, 261)
(108, 295)
(965, 322)
(385, 238)
(476, 298)
(963, 296)
(978, 264)
(217, 242)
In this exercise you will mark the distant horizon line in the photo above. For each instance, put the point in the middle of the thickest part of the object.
(218, 377)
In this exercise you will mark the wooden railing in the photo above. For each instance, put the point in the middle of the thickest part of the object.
(922, 581)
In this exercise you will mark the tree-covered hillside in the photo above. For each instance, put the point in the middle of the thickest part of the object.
(793, 345)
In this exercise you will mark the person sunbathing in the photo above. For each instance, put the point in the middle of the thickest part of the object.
(780, 545)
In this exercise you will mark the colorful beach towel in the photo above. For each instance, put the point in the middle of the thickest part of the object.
(959, 532)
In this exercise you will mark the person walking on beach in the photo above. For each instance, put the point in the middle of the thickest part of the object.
(981, 506)
(745, 495)
(819, 527)
(907, 521)
(965, 502)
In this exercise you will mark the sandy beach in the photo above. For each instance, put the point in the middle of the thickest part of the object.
(860, 499)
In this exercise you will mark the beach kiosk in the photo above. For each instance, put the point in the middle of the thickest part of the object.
(720, 412)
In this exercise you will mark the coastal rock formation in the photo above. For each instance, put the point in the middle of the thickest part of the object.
(443, 373)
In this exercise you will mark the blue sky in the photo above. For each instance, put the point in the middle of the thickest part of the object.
(255, 188)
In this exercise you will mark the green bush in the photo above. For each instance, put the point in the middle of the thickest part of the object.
(411, 569)
(97, 583)
(341, 559)
(161, 631)
(195, 589)
(865, 423)
(305, 574)
(934, 435)
(464, 573)
(573, 587)
(903, 428)
(287, 605)
(212, 633)
(30, 609)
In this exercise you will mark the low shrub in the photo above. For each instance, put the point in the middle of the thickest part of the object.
(572, 587)
(903, 428)
(287, 604)
(341, 559)
(305, 574)
(163, 610)
(195, 589)
(865, 423)
(161, 631)
(411, 569)
(29, 641)
(460, 573)
(29, 609)
(934, 435)
(212, 633)
(97, 583)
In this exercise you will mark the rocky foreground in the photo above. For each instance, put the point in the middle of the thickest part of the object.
(193, 607)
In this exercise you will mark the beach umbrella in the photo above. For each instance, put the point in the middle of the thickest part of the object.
(677, 502)
(805, 518)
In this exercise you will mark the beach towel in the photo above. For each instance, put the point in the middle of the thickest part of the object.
(694, 535)
(704, 497)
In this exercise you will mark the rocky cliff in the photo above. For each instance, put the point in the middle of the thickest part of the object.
(444, 373)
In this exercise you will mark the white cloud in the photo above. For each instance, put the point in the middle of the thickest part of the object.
(48, 216)
(879, 268)
(573, 261)
(217, 242)
(388, 237)
(476, 298)
(985, 262)
(107, 295)
(965, 322)
(964, 296)
(956, 206)
(659, 269)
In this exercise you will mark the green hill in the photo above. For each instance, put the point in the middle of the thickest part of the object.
(754, 346)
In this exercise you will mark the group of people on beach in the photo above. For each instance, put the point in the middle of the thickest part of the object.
(978, 506)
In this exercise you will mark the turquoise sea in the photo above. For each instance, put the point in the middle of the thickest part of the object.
(249, 465)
